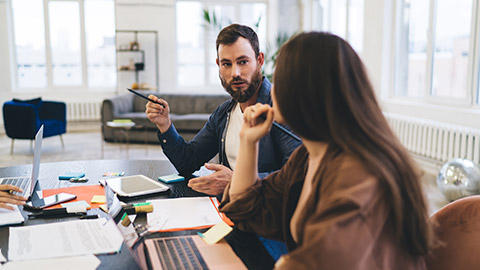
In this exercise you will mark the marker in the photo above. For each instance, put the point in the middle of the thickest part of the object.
(147, 98)
(138, 208)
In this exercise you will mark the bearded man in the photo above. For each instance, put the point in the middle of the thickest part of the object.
(240, 70)
(240, 62)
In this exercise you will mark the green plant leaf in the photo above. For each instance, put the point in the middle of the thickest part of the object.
(206, 16)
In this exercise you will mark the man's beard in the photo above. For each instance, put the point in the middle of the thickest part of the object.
(243, 95)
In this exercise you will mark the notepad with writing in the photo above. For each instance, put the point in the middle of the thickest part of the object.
(185, 214)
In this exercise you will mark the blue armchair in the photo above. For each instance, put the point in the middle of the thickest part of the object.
(23, 118)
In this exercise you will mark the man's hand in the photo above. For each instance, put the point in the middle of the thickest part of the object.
(212, 184)
(6, 197)
(158, 114)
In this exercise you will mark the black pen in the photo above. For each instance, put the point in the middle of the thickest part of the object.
(280, 127)
(57, 213)
(147, 98)
(89, 217)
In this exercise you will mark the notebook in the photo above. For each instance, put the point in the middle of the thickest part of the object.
(177, 252)
(25, 182)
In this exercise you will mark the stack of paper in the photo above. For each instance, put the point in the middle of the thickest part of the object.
(85, 262)
(184, 213)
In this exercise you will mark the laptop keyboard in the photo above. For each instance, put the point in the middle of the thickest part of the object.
(21, 182)
(179, 253)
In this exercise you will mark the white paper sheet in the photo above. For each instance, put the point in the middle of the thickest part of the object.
(86, 262)
(182, 213)
(62, 239)
(8, 217)
(2, 258)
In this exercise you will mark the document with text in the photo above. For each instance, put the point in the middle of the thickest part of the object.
(61, 239)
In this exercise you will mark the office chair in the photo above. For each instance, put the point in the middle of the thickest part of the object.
(457, 227)
(23, 118)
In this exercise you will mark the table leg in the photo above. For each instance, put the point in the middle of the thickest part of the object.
(102, 141)
(127, 140)
(146, 141)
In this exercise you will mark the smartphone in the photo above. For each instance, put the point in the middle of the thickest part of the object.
(52, 200)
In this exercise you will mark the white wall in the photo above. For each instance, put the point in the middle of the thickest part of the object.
(153, 15)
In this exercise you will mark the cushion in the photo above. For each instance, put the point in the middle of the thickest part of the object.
(457, 228)
(35, 101)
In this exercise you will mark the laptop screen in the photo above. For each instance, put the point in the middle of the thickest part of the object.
(37, 152)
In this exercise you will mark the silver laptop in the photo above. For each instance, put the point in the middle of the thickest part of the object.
(28, 183)
(177, 252)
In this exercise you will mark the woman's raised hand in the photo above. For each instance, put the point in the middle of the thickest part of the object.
(257, 122)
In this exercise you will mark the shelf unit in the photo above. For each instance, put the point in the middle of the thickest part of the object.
(138, 52)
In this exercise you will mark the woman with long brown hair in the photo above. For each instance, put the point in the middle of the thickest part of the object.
(349, 197)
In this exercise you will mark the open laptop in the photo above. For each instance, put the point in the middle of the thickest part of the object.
(25, 182)
(173, 252)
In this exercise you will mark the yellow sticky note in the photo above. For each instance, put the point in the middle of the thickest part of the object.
(216, 233)
(99, 199)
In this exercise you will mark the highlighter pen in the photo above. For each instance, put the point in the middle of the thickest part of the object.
(138, 208)
(147, 98)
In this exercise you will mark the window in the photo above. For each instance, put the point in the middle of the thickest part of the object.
(434, 56)
(343, 18)
(29, 43)
(196, 52)
(64, 44)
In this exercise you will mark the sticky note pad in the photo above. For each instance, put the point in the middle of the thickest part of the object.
(98, 199)
(216, 233)
(78, 203)
(171, 178)
(68, 175)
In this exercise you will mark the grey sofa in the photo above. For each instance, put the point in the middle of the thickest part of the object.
(188, 113)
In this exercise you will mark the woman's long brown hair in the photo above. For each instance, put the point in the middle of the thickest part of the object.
(324, 94)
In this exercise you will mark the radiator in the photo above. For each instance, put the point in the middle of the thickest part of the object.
(83, 111)
(436, 142)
